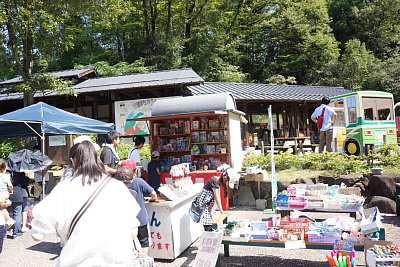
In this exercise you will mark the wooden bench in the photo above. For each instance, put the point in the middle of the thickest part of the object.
(312, 146)
(277, 149)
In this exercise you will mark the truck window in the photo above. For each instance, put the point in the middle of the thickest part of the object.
(377, 108)
(384, 114)
(351, 109)
(368, 114)
(340, 121)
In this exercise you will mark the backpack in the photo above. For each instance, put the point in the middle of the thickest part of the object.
(320, 118)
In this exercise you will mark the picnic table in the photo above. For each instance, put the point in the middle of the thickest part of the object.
(298, 143)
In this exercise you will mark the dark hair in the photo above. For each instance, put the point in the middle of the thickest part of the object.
(326, 100)
(224, 181)
(112, 135)
(124, 174)
(86, 163)
(36, 147)
(139, 140)
(3, 164)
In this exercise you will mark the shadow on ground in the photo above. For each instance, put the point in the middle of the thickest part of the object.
(189, 254)
(394, 220)
(268, 261)
(47, 247)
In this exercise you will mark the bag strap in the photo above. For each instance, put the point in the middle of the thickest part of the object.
(129, 156)
(87, 204)
(323, 111)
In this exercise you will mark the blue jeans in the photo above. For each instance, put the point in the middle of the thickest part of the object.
(3, 231)
(17, 216)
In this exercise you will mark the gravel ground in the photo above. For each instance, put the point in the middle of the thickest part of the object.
(23, 251)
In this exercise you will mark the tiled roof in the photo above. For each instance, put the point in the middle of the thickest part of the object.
(62, 74)
(161, 78)
(172, 77)
(275, 92)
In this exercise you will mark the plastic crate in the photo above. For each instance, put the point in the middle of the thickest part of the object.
(322, 239)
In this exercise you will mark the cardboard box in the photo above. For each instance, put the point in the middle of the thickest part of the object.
(371, 221)
(369, 243)
(259, 177)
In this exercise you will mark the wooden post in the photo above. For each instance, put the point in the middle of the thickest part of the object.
(307, 119)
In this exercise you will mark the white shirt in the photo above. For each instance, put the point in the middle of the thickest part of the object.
(134, 154)
(328, 116)
(103, 235)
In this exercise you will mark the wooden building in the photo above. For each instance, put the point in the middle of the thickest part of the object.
(292, 105)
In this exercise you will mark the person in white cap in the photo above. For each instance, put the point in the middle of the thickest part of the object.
(68, 172)
(154, 170)
(210, 194)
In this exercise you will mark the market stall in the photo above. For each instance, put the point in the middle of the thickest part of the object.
(320, 198)
(203, 131)
(342, 234)
(171, 228)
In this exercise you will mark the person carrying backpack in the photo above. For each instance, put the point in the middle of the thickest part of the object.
(325, 117)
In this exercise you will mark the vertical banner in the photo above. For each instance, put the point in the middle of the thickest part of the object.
(274, 185)
(160, 232)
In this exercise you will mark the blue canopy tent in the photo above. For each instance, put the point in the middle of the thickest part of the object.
(41, 119)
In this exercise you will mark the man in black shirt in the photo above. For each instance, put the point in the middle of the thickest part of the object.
(109, 155)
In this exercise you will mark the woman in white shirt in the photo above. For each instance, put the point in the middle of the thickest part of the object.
(94, 240)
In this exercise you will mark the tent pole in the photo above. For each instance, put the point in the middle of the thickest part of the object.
(32, 129)
(43, 176)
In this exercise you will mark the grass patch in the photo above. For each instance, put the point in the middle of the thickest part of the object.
(293, 174)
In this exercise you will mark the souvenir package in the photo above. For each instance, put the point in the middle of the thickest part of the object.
(203, 137)
(213, 124)
(195, 125)
(195, 137)
(203, 123)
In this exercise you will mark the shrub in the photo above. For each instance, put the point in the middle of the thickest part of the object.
(333, 163)
(10, 145)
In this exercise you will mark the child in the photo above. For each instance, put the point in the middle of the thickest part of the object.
(6, 188)
(154, 170)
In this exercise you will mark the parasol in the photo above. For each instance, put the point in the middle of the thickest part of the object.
(26, 160)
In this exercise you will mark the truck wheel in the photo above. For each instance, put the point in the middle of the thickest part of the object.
(352, 148)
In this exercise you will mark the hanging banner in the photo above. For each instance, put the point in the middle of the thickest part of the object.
(274, 185)
(127, 111)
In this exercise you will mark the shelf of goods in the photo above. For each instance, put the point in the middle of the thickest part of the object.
(202, 140)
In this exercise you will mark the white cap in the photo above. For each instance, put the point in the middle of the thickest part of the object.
(82, 138)
(233, 177)
(155, 154)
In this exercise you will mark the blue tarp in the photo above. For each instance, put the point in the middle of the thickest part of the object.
(46, 119)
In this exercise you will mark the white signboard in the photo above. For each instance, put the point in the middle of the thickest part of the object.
(208, 252)
(127, 111)
(161, 243)
(57, 140)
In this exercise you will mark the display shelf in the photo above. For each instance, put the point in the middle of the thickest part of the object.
(209, 143)
(209, 129)
(174, 151)
(372, 260)
(171, 135)
(215, 154)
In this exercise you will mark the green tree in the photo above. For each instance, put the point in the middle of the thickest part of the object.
(357, 65)
(375, 23)
(299, 39)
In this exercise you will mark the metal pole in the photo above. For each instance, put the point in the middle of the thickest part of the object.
(43, 176)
